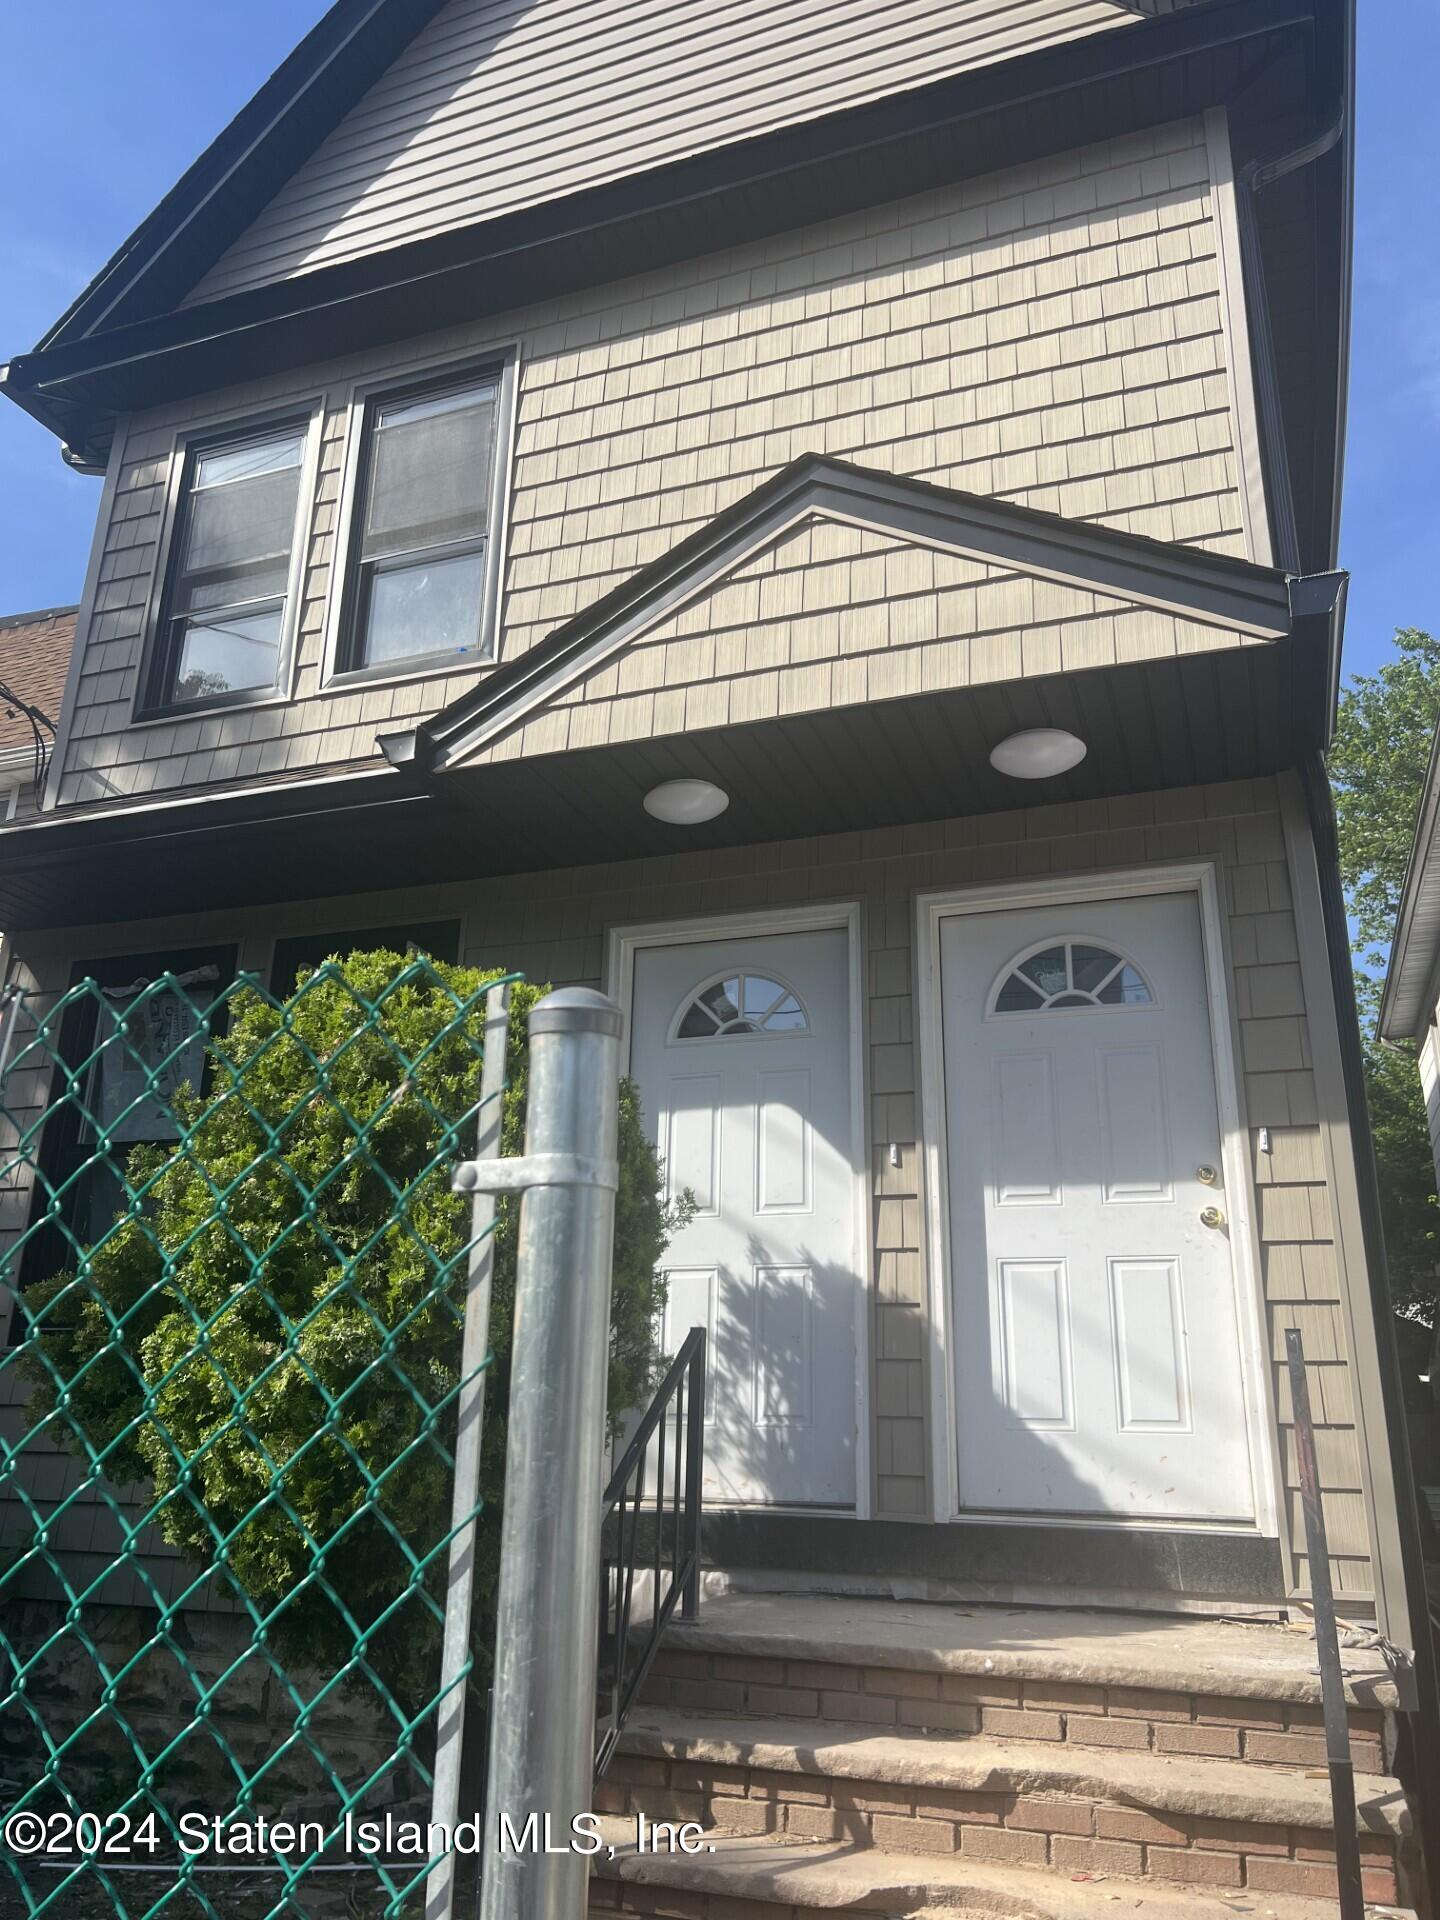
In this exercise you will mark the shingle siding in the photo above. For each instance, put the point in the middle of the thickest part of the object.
(553, 926)
(1051, 335)
(503, 104)
(836, 615)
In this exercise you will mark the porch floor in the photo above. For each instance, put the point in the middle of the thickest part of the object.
(1174, 1653)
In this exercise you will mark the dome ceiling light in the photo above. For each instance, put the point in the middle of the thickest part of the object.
(1039, 753)
(686, 803)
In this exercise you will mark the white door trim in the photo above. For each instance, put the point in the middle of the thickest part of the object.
(621, 945)
(1202, 879)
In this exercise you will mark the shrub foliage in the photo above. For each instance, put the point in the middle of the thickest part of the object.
(289, 1324)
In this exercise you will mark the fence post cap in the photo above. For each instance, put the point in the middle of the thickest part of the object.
(575, 1010)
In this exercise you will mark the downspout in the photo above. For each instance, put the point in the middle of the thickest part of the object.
(1424, 1783)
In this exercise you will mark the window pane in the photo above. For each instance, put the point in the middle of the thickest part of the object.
(760, 995)
(1018, 996)
(698, 1023)
(1047, 970)
(228, 655)
(223, 464)
(788, 1017)
(1127, 989)
(1092, 966)
(237, 541)
(430, 607)
(430, 471)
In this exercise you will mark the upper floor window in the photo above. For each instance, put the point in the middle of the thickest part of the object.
(423, 526)
(221, 630)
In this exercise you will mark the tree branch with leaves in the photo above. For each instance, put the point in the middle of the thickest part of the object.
(1377, 767)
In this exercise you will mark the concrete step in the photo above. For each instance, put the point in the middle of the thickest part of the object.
(741, 1878)
(1178, 1686)
(1177, 1819)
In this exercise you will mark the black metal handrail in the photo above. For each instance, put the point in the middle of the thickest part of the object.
(655, 1533)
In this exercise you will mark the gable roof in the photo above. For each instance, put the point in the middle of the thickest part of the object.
(128, 343)
(1191, 581)
(290, 117)
(222, 191)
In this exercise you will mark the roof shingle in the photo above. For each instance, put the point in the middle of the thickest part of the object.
(34, 660)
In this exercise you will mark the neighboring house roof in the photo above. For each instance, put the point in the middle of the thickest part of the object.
(34, 660)
(1410, 983)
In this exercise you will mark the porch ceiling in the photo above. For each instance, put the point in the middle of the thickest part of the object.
(1148, 726)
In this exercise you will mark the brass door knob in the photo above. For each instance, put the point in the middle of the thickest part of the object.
(1212, 1217)
(1207, 1176)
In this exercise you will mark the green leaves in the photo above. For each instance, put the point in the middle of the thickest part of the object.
(1377, 767)
(270, 1343)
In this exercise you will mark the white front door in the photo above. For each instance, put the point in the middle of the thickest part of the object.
(1097, 1357)
(741, 1051)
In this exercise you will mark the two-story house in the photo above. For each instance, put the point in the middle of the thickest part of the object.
(820, 520)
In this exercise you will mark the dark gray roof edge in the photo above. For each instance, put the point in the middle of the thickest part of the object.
(1411, 975)
(1218, 586)
(281, 123)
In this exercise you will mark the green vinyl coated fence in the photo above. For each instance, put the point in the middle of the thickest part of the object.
(234, 1274)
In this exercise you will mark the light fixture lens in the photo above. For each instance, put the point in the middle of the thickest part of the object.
(686, 803)
(1038, 754)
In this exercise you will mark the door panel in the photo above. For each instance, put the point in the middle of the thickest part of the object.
(1096, 1347)
(741, 1050)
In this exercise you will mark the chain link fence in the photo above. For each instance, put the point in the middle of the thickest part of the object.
(235, 1278)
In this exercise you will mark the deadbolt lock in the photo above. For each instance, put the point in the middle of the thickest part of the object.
(1212, 1217)
(1207, 1176)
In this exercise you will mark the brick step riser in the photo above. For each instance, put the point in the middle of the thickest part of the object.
(1266, 1733)
(1064, 1834)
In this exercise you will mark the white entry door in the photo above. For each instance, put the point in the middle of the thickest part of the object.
(1096, 1332)
(741, 1051)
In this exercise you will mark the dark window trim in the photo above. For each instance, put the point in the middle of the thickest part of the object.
(152, 701)
(343, 669)
(61, 1150)
(287, 952)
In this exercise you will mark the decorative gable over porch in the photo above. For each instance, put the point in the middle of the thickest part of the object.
(832, 591)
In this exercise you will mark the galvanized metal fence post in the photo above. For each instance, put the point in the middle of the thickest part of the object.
(542, 1736)
(469, 1434)
(1327, 1644)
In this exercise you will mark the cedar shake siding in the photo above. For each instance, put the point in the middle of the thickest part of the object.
(1058, 335)
(554, 925)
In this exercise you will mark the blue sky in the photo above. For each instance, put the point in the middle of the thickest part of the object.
(113, 101)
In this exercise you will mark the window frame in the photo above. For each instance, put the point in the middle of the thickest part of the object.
(152, 701)
(343, 669)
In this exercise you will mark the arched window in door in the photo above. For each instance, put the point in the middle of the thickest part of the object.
(741, 1003)
(1069, 973)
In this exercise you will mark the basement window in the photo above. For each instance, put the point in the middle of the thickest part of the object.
(421, 584)
(220, 638)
